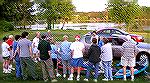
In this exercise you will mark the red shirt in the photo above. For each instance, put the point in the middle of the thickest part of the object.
(9, 42)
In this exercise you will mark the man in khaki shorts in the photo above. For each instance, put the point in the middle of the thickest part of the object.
(129, 51)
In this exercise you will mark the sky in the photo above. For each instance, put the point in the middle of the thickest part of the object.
(98, 5)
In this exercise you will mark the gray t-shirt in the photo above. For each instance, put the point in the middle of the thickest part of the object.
(129, 49)
(24, 45)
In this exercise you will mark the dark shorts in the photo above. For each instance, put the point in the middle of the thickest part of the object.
(78, 62)
(6, 58)
(54, 63)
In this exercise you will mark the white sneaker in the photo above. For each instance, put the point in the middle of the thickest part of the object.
(105, 79)
(95, 80)
(125, 79)
(78, 78)
(86, 80)
(7, 71)
(111, 79)
(70, 78)
(64, 75)
(13, 69)
(35, 61)
(54, 80)
(132, 80)
(46, 80)
(10, 67)
(4, 70)
(57, 75)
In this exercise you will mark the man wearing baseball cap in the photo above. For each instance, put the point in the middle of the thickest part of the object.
(77, 57)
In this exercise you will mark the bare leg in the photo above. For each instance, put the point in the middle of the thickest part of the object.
(124, 72)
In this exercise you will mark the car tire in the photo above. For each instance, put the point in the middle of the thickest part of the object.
(143, 59)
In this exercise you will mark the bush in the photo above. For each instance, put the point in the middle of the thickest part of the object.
(6, 26)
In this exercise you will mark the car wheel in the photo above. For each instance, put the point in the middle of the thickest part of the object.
(142, 59)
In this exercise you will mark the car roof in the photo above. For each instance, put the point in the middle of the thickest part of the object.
(107, 28)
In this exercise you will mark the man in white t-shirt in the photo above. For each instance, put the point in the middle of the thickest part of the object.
(77, 57)
(6, 55)
(35, 45)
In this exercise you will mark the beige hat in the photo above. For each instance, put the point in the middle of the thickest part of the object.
(65, 36)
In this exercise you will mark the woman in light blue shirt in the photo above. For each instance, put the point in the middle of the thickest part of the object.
(54, 55)
(65, 55)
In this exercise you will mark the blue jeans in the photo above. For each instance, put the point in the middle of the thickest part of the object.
(107, 69)
(18, 66)
(96, 68)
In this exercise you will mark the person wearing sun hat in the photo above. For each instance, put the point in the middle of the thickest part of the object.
(77, 49)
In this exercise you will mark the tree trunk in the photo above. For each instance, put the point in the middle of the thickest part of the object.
(63, 26)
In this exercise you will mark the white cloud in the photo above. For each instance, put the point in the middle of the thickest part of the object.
(90, 5)
(144, 3)
(99, 5)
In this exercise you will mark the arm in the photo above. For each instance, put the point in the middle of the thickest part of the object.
(89, 52)
(30, 51)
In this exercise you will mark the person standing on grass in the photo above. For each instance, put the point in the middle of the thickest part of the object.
(10, 43)
(106, 57)
(24, 49)
(77, 49)
(35, 45)
(129, 51)
(46, 59)
(5, 55)
(54, 54)
(16, 56)
(65, 55)
(94, 59)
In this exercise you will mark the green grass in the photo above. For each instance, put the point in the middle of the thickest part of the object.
(57, 34)
(10, 78)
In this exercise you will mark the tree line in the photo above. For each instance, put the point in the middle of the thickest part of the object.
(20, 13)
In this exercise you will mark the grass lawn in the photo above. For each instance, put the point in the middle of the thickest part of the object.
(58, 34)
(10, 78)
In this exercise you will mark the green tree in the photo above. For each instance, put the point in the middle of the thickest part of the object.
(121, 11)
(53, 10)
(16, 11)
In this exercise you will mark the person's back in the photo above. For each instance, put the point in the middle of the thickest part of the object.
(24, 45)
(54, 51)
(128, 49)
(65, 50)
(44, 47)
(106, 52)
(94, 53)
(77, 48)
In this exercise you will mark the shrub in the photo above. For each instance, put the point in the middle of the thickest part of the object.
(6, 26)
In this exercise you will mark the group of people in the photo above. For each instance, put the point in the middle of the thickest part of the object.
(43, 49)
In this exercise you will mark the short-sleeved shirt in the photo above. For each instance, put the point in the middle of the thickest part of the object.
(77, 48)
(9, 42)
(44, 47)
(53, 51)
(128, 49)
(5, 51)
(36, 41)
(24, 45)
(65, 50)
